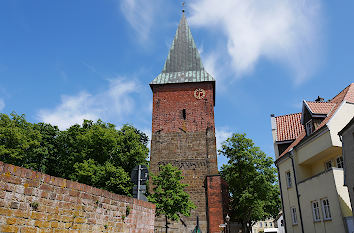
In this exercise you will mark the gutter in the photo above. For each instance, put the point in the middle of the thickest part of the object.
(323, 129)
(297, 190)
(276, 162)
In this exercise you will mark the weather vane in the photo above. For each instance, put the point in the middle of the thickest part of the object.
(183, 6)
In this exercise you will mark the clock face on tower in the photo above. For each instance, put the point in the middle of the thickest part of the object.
(199, 93)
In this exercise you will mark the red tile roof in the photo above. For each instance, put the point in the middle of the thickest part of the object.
(288, 126)
(345, 95)
(320, 107)
(350, 94)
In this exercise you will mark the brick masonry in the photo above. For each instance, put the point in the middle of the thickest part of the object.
(217, 199)
(32, 202)
(186, 142)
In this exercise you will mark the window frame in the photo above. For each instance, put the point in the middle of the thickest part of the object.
(328, 162)
(309, 127)
(316, 213)
(324, 208)
(341, 161)
(293, 215)
(288, 179)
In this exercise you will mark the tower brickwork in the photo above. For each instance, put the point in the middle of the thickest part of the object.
(183, 128)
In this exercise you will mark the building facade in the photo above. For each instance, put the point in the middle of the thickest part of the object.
(310, 165)
(260, 226)
(347, 138)
(183, 132)
(280, 223)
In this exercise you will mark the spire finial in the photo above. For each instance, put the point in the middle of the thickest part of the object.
(183, 3)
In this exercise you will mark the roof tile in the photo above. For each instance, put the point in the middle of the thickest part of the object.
(289, 127)
(320, 107)
(345, 95)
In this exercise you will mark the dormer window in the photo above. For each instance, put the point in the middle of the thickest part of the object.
(309, 127)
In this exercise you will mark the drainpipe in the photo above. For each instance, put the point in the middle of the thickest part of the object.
(297, 191)
(282, 202)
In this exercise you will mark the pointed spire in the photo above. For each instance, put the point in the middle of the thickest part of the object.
(183, 55)
(183, 62)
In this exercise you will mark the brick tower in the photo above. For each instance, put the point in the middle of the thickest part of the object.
(183, 129)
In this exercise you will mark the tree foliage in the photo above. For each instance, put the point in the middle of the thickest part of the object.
(25, 144)
(94, 153)
(252, 181)
(168, 194)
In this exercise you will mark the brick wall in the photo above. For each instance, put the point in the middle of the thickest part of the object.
(34, 202)
(188, 143)
(217, 198)
(169, 101)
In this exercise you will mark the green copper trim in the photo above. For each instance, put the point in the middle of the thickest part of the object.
(183, 62)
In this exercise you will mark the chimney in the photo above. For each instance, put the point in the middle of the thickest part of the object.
(319, 99)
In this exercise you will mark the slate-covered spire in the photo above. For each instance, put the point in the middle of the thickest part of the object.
(183, 55)
(183, 62)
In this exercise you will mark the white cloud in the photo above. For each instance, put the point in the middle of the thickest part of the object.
(117, 102)
(140, 14)
(221, 135)
(2, 104)
(284, 30)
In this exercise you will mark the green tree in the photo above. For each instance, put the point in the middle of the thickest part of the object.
(168, 194)
(98, 154)
(25, 144)
(94, 153)
(252, 181)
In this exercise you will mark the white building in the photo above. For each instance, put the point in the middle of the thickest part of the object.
(310, 165)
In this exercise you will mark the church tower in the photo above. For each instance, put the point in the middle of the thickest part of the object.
(183, 129)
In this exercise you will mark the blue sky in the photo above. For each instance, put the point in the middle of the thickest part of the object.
(62, 61)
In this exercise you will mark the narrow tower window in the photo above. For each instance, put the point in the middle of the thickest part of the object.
(184, 114)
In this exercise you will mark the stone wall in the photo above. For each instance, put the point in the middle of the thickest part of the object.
(34, 202)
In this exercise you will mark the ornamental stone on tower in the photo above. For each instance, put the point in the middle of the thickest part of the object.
(183, 131)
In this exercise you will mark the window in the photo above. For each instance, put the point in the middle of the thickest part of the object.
(282, 222)
(184, 114)
(288, 179)
(265, 224)
(328, 165)
(309, 127)
(260, 224)
(316, 211)
(340, 162)
(270, 224)
(326, 210)
(293, 215)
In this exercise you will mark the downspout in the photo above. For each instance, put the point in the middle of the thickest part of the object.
(297, 190)
(282, 202)
(344, 168)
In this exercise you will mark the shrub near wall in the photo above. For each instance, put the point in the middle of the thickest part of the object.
(34, 202)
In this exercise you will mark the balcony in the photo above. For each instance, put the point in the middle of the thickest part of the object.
(316, 148)
(325, 185)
